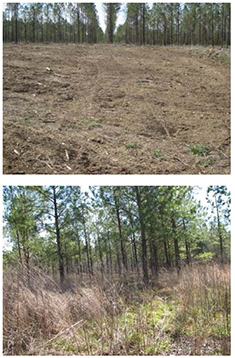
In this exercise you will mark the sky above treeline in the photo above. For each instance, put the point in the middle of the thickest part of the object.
(101, 14)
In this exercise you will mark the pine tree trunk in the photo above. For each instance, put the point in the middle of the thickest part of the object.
(143, 238)
(58, 241)
(176, 245)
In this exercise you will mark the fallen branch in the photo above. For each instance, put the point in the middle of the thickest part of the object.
(180, 161)
(220, 151)
(57, 74)
(63, 331)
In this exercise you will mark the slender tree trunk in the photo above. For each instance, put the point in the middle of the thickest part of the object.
(133, 242)
(110, 260)
(25, 31)
(87, 246)
(100, 256)
(143, 238)
(136, 28)
(78, 25)
(118, 260)
(153, 256)
(66, 260)
(58, 241)
(42, 32)
(143, 14)
(16, 23)
(79, 268)
(176, 245)
(229, 29)
(168, 262)
(178, 24)
(187, 249)
(19, 248)
(123, 251)
(135, 252)
(110, 15)
(212, 24)
(219, 232)
(172, 20)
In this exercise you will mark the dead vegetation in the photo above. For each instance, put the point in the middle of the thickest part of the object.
(181, 315)
(103, 109)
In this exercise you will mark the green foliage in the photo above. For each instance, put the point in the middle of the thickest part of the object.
(92, 122)
(130, 145)
(199, 149)
(206, 163)
(158, 153)
(112, 228)
(206, 256)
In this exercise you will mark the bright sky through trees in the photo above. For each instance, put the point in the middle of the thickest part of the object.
(101, 14)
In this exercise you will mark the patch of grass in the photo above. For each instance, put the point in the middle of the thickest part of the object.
(200, 150)
(157, 153)
(71, 125)
(225, 58)
(131, 145)
(29, 116)
(95, 125)
(92, 122)
(206, 163)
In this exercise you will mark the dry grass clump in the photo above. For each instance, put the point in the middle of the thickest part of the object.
(37, 308)
(202, 293)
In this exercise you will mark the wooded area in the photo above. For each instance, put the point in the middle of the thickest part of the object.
(116, 270)
(113, 229)
(206, 24)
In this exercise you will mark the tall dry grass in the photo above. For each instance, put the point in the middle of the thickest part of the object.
(38, 309)
(203, 296)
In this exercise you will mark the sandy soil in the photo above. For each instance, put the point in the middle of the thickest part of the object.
(104, 109)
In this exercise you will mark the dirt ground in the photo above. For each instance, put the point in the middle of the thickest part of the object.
(103, 109)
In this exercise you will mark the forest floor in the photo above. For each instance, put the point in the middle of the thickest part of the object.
(100, 109)
(187, 314)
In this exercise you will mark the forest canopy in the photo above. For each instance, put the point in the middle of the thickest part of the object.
(114, 230)
(206, 24)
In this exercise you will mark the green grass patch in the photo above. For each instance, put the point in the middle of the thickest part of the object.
(206, 163)
(141, 329)
(130, 145)
(92, 122)
(157, 153)
(29, 116)
(200, 150)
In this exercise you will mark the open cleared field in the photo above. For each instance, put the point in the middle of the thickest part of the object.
(101, 109)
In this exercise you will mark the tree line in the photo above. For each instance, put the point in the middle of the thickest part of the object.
(206, 24)
(51, 22)
(115, 231)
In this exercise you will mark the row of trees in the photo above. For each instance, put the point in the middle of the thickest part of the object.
(158, 24)
(176, 24)
(113, 230)
(51, 22)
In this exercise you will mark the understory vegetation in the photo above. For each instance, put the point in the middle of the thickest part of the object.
(116, 271)
(187, 314)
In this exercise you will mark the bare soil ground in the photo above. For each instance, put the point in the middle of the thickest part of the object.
(100, 109)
